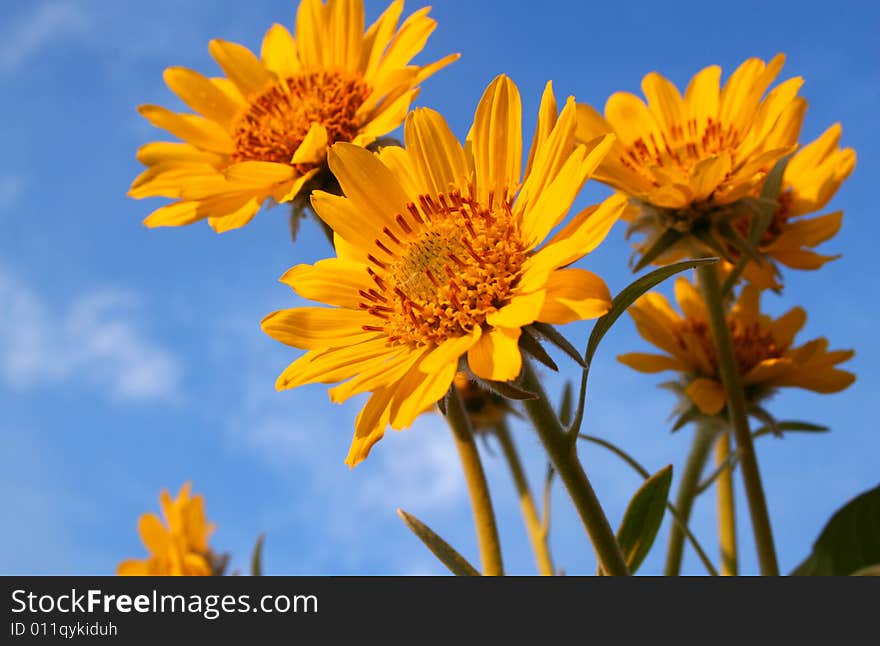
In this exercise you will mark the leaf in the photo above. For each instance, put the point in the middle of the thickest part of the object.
(666, 240)
(791, 427)
(456, 563)
(532, 346)
(687, 416)
(631, 293)
(773, 183)
(506, 389)
(566, 404)
(552, 335)
(619, 305)
(850, 541)
(257, 556)
(643, 518)
(763, 415)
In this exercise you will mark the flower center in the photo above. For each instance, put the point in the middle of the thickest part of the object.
(751, 345)
(447, 265)
(680, 146)
(277, 121)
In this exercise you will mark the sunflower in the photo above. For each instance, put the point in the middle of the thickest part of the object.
(179, 547)
(438, 259)
(763, 348)
(685, 160)
(263, 131)
(810, 180)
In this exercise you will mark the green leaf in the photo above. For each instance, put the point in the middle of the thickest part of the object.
(643, 518)
(664, 242)
(790, 427)
(850, 542)
(552, 335)
(687, 416)
(533, 347)
(631, 293)
(456, 563)
(257, 556)
(566, 404)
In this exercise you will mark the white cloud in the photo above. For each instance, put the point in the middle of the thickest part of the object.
(43, 26)
(95, 342)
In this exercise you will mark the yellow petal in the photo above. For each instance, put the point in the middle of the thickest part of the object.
(196, 130)
(279, 52)
(370, 425)
(574, 295)
(650, 363)
(153, 533)
(175, 215)
(434, 151)
(702, 96)
(521, 310)
(449, 351)
(707, 394)
(368, 184)
(257, 174)
(313, 328)
(313, 148)
(134, 567)
(496, 356)
(332, 281)
(547, 117)
(497, 139)
(690, 300)
(229, 214)
(665, 102)
(788, 325)
(418, 391)
(708, 174)
(241, 66)
(345, 32)
(336, 364)
(202, 95)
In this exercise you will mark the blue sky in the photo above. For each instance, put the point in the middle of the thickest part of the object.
(132, 360)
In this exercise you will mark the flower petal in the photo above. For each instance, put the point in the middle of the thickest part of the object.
(496, 356)
(574, 295)
(707, 394)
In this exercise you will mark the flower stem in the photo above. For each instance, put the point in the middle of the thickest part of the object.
(684, 500)
(726, 508)
(535, 528)
(478, 488)
(736, 406)
(563, 455)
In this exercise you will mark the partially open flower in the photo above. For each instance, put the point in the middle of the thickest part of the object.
(686, 161)
(764, 348)
(811, 179)
(262, 132)
(179, 546)
(441, 255)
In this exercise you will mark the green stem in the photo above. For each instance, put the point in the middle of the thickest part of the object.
(564, 458)
(684, 500)
(535, 528)
(726, 508)
(736, 406)
(478, 488)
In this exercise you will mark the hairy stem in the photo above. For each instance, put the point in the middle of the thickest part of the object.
(563, 455)
(707, 276)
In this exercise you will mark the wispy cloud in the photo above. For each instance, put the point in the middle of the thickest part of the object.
(95, 342)
(45, 25)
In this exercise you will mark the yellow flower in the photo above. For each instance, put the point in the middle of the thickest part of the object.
(683, 159)
(263, 131)
(811, 179)
(485, 409)
(179, 547)
(437, 259)
(763, 347)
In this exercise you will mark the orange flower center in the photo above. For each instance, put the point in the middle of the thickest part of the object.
(447, 265)
(277, 121)
(751, 344)
(681, 146)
